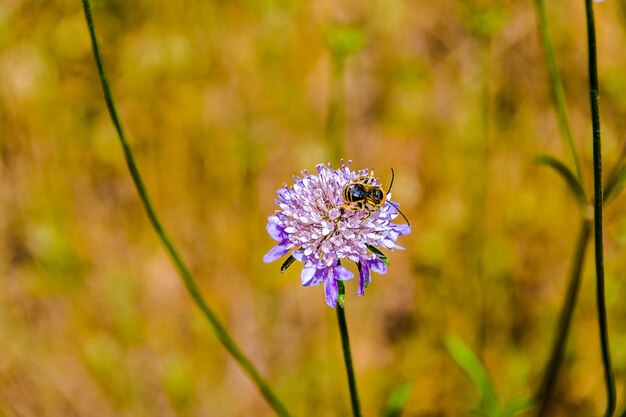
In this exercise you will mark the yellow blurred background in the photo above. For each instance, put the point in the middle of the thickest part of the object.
(223, 101)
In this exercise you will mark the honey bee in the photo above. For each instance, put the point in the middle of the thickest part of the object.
(363, 194)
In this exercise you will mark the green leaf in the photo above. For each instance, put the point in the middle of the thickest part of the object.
(341, 297)
(615, 185)
(465, 358)
(570, 179)
(378, 253)
(397, 400)
(287, 263)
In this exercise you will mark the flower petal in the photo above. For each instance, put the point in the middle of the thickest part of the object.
(308, 273)
(282, 193)
(402, 229)
(388, 244)
(364, 276)
(378, 266)
(312, 275)
(341, 273)
(332, 291)
(298, 254)
(276, 252)
(275, 231)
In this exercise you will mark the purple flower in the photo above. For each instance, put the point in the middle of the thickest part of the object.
(314, 223)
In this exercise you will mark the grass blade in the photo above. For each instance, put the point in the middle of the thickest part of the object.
(570, 179)
(467, 360)
(397, 399)
(615, 184)
(556, 84)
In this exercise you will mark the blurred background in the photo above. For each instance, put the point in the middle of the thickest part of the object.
(223, 102)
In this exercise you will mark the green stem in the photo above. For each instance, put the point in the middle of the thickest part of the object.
(184, 273)
(347, 357)
(597, 205)
(546, 389)
(558, 94)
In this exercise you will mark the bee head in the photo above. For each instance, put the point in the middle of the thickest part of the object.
(377, 194)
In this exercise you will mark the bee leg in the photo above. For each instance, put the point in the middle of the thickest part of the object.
(367, 214)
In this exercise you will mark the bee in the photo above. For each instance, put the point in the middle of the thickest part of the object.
(363, 194)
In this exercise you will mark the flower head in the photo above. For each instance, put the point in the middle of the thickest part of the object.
(321, 229)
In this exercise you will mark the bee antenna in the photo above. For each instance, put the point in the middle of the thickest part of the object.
(391, 183)
(401, 213)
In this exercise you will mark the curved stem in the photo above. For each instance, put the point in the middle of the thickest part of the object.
(597, 205)
(347, 357)
(558, 94)
(220, 331)
(548, 383)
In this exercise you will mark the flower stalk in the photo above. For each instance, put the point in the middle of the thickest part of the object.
(597, 205)
(347, 357)
(219, 329)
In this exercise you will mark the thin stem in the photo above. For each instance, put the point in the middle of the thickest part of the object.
(548, 383)
(347, 357)
(597, 205)
(182, 269)
(558, 94)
